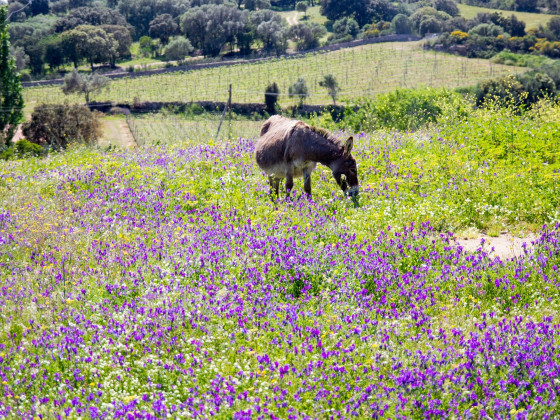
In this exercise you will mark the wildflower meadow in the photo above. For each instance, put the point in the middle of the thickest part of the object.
(163, 282)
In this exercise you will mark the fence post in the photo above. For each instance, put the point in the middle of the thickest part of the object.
(228, 105)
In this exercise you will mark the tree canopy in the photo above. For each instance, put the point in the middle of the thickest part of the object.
(11, 100)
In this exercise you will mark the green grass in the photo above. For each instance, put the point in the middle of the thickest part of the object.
(366, 70)
(532, 20)
(313, 14)
(155, 129)
(123, 270)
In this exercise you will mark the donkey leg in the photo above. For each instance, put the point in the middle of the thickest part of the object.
(289, 180)
(276, 185)
(272, 181)
(307, 181)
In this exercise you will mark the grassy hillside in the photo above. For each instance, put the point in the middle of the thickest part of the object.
(163, 282)
(532, 20)
(365, 70)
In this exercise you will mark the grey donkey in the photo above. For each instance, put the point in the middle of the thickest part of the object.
(289, 148)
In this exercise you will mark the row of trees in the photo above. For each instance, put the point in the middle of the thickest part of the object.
(491, 33)
(95, 35)
(300, 91)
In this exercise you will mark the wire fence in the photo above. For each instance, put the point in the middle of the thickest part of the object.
(156, 129)
(362, 71)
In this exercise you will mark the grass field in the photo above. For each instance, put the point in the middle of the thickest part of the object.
(365, 70)
(151, 129)
(532, 20)
(164, 283)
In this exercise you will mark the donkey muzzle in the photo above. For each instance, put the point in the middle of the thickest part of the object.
(354, 191)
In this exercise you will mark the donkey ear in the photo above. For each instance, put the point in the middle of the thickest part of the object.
(348, 146)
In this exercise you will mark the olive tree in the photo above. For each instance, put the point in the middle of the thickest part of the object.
(329, 82)
(300, 90)
(84, 84)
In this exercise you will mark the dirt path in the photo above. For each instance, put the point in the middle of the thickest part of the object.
(117, 133)
(505, 246)
(293, 20)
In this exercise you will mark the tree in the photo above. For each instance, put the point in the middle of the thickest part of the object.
(35, 50)
(300, 90)
(401, 24)
(211, 27)
(329, 82)
(21, 59)
(554, 26)
(10, 86)
(301, 6)
(53, 51)
(178, 49)
(58, 125)
(91, 43)
(95, 16)
(84, 84)
(270, 29)
(447, 6)
(139, 13)
(307, 35)
(163, 27)
(344, 27)
(381, 10)
(16, 11)
(121, 34)
(526, 5)
(271, 98)
(147, 46)
(39, 7)
(429, 25)
(336, 9)
(257, 4)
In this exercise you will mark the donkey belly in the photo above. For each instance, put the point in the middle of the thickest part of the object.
(279, 170)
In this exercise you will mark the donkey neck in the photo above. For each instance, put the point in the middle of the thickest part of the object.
(323, 150)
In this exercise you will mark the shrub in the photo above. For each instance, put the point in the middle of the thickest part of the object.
(346, 26)
(486, 29)
(405, 109)
(524, 89)
(430, 25)
(178, 49)
(503, 92)
(523, 60)
(459, 35)
(447, 6)
(271, 98)
(401, 24)
(22, 149)
(300, 90)
(59, 125)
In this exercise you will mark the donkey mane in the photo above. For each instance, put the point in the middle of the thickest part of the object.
(323, 133)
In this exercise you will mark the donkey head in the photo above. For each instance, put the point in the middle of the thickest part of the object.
(345, 171)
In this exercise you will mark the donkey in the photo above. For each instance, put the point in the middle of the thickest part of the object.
(290, 148)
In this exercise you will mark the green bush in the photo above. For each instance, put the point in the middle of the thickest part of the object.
(523, 60)
(519, 91)
(404, 109)
(498, 132)
(22, 149)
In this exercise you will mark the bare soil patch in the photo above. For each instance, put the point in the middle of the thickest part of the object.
(505, 246)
